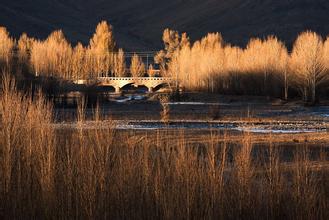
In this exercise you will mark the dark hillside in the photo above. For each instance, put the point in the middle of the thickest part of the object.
(139, 23)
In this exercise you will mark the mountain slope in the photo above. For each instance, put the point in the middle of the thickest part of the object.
(138, 24)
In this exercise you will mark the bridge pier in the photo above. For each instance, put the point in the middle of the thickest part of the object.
(117, 89)
(150, 89)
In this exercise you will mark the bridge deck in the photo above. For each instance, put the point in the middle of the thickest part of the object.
(120, 82)
(134, 79)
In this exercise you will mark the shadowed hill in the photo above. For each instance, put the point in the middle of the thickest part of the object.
(138, 24)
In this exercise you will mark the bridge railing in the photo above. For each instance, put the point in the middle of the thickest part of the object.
(134, 79)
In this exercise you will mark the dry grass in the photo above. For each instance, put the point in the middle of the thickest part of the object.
(100, 174)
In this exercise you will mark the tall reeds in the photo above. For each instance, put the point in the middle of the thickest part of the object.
(93, 171)
(27, 152)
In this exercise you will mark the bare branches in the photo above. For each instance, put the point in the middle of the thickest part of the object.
(55, 57)
(119, 66)
(307, 64)
(100, 49)
(264, 67)
(7, 45)
(137, 67)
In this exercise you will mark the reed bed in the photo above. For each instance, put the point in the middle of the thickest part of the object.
(98, 173)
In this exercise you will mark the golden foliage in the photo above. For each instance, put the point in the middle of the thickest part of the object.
(264, 67)
(52, 57)
(55, 57)
(307, 64)
(172, 42)
(7, 45)
(79, 63)
(24, 49)
(119, 67)
(137, 67)
(100, 49)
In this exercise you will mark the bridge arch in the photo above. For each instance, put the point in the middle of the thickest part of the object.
(160, 85)
(119, 82)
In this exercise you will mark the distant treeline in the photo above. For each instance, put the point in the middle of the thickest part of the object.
(264, 67)
(55, 56)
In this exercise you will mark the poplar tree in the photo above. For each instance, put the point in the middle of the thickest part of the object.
(59, 53)
(137, 67)
(52, 57)
(326, 62)
(101, 47)
(7, 45)
(119, 67)
(172, 43)
(307, 64)
(24, 51)
(39, 59)
(79, 71)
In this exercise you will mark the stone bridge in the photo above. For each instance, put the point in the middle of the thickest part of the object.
(119, 82)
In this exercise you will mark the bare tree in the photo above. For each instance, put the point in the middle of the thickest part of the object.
(212, 65)
(275, 56)
(160, 59)
(172, 43)
(79, 63)
(326, 62)
(307, 64)
(52, 57)
(137, 67)
(263, 67)
(24, 50)
(38, 58)
(232, 67)
(7, 45)
(101, 47)
(119, 67)
(60, 54)
(196, 66)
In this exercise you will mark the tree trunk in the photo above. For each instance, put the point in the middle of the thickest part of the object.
(285, 86)
(313, 93)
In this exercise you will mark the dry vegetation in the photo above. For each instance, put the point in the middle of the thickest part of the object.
(137, 67)
(264, 67)
(101, 174)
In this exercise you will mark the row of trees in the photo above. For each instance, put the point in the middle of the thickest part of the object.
(7, 45)
(55, 57)
(264, 67)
